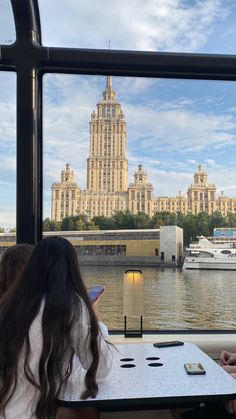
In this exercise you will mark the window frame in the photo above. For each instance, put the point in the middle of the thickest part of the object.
(30, 60)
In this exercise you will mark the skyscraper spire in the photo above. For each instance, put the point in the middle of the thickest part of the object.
(109, 82)
(109, 94)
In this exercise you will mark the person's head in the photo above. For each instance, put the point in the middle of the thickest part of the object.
(12, 263)
(51, 277)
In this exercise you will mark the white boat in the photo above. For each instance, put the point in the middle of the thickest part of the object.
(208, 255)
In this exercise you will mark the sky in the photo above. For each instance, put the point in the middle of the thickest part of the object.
(172, 125)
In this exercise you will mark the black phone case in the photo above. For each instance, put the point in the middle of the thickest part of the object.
(168, 344)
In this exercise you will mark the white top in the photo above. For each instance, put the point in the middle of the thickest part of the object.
(23, 403)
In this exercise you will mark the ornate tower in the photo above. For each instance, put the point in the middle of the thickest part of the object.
(200, 177)
(140, 193)
(64, 195)
(107, 166)
(201, 195)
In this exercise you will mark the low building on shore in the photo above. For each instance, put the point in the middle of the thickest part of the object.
(147, 247)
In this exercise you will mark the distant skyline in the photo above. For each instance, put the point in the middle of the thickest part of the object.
(172, 125)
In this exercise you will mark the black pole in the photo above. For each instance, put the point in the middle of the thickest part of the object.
(29, 122)
(29, 157)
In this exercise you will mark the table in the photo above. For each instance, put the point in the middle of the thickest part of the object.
(135, 384)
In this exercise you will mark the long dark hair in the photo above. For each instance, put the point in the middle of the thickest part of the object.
(51, 276)
(12, 262)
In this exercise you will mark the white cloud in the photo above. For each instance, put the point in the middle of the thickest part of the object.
(169, 183)
(7, 218)
(191, 161)
(8, 125)
(180, 130)
(7, 33)
(211, 162)
(156, 25)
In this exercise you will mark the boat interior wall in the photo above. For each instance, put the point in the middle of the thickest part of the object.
(152, 414)
(211, 343)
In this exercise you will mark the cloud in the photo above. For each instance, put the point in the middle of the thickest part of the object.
(7, 33)
(169, 183)
(212, 163)
(180, 130)
(7, 218)
(172, 25)
(191, 161)
(7, 125)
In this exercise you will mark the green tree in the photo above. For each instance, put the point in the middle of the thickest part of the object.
(104, 223)
(231, 219)
(67, 224)
(203, 224)
(217, 220)
(92, 226)
(124, 220)
(2, 230)
(142, 220)
(49, 225)
(180, 219)
(190, 227)
(58, 226)
(164, 218)
(80, 225)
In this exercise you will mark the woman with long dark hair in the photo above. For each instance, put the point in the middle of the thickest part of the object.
(45, 319)
(12, 263)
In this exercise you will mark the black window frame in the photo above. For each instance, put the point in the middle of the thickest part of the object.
(30, 60)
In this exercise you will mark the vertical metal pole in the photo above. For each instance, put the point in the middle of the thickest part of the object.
(29, 156)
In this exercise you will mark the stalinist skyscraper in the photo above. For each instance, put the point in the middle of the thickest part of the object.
(107, 163)
(107, 170)
(107, 176)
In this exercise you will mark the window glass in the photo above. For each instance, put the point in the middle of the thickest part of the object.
(7, 158)
(172, 25)
(122, 185)
(7, 26)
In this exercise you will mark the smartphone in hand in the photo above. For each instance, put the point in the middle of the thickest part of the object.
(95, 292)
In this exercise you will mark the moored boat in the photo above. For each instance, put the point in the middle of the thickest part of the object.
(208, 255)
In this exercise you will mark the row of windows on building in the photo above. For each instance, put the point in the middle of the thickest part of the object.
(101, 250)
(116, 128)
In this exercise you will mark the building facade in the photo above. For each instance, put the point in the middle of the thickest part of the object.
(107, 177)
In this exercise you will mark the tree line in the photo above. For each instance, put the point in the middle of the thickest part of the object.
(192, 224)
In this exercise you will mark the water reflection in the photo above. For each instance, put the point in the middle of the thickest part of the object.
(173, 299)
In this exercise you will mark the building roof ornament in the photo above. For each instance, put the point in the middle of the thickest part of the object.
(109, 93)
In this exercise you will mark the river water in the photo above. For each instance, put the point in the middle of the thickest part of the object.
(173, 299)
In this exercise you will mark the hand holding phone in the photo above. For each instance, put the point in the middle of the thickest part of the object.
(168, 344)
(194, 368)
(95, 292)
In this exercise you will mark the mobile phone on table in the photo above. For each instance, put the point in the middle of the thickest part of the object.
(194, 368)
(95, 292)
(168, 344)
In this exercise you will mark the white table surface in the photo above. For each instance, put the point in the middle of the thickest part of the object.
(146, 386)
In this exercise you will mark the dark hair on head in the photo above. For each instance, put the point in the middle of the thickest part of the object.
(51, 277)
(12, 262)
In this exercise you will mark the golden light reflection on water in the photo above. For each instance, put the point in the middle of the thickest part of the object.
(173, 299)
